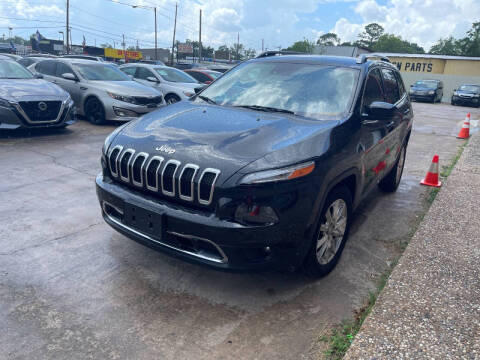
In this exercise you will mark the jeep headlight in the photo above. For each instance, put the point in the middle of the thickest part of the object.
(286, 173)
(431, 92)
(124, 98)
(5, 103)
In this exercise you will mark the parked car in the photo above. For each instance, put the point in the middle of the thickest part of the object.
(100, 91)
(27, 61)
(84, 57)
(467, 95)
(12, 56)
(175, 84)
(203, 76)
(185, 66)
(219, 68)
(152, 62)
(427, 90)
(30, 102)
(263, 167)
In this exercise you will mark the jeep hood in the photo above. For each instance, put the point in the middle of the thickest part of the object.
(225, 138)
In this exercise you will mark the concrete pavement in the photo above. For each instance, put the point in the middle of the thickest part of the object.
(430, 308)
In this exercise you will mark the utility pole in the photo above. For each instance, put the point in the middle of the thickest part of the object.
(174, 29)
(156, 49)
(68, 21)
(238, 44)
(262, 45)
(200, 40)
(124, 52)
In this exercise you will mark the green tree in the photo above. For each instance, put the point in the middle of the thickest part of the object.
(328, 39)
(395, 44)
(471, 43)
(448, 46)
(249, 53)
(370, 36)
(106, 46)
(237, 51)
(304, 46)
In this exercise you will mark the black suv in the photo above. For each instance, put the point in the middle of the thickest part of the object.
(427, 90)
(467, 95)
(263, 167)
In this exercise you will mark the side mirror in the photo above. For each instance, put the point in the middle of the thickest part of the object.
(411, 85)
(380, 109)
(198, 89)
(38, 76)
(152, 79)
(69, 76)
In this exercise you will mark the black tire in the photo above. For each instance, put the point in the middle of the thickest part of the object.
(391, 181)
(453, 103)
(94, 111)
(314, 266)
(171, 99)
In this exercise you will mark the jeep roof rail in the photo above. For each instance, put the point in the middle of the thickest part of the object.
(278, 53)
(364, 57)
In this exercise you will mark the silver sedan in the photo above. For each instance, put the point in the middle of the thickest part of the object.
(100, 91)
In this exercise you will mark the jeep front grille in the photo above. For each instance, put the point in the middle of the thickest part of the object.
(170, 177)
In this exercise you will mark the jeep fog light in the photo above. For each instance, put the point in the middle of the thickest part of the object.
(255, 214)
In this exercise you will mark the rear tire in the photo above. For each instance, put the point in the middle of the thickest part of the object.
(391, 181)
(94, 111)
(332, 233)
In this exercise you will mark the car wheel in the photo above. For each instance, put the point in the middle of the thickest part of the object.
(94, 111)
(453, 103)
(172, 99)
(391, 181)
(332, 233)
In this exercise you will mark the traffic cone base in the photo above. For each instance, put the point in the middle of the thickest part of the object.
(431, 179)
(465, 130)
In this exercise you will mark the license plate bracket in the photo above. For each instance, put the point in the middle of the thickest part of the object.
(143, 220)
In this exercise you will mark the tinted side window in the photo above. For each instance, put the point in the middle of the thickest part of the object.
(62, 69)
(129, 70)
(373, 89)
(47, 67)
(199, 76)
(401, 86)
(392, 94)
(26, 62)
(143, 73)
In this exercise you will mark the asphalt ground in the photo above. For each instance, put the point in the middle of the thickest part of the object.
(71, 287)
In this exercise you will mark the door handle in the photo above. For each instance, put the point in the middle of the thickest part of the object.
(407, 111)
(83, 88)
(390, 124)
(369, 122)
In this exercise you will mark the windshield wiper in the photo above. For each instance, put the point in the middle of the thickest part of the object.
(207, 99)
(265, 108)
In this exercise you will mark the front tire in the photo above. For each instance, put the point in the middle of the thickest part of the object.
(171, 99)
(94, 111)
(332, 233)
(391, 181)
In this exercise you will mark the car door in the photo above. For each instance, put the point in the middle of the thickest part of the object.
(373, 132)
(394, 123)
(73, 87)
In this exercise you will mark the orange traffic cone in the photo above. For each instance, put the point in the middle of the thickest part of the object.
(431, 179)
(465, 130)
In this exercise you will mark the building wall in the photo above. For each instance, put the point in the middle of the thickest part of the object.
(453, 72)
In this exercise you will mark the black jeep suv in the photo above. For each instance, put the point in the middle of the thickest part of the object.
(263, 167)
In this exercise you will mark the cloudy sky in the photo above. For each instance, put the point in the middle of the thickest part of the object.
(278, 22)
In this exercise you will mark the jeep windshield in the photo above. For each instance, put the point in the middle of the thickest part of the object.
(310, 90)
(12, 70)
(100, 72)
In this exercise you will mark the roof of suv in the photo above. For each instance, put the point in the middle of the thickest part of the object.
(323, 59)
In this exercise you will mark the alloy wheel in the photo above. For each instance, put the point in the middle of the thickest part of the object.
(332, 231)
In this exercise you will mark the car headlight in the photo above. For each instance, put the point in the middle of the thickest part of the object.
(109, 138)
(5, 103)
(124, 98)
(287, 173)
(431, 92)
(189, 93)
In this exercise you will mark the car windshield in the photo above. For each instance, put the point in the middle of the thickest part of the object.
(310, 90)
(426, 84)
(9, 69)
(100, 72)
(213, 74)
(174, 75)
(470, 88)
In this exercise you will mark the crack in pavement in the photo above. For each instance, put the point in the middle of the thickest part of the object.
(52, 240)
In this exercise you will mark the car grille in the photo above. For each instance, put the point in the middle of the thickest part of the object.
(41, 110)
(148, 100)
(167, 177)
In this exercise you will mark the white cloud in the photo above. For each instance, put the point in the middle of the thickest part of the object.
(420, 21)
